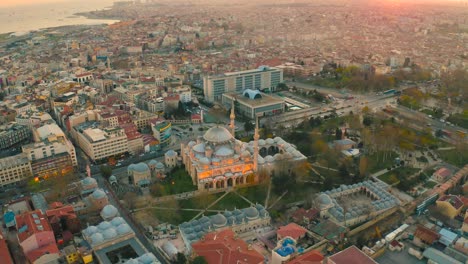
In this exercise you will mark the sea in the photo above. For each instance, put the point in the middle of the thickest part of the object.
(23, 19)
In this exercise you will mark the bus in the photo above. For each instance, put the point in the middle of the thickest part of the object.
(389, 92)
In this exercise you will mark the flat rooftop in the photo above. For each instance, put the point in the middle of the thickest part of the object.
(255, 103)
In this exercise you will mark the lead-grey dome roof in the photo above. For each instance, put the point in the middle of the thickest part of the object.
(217, 134)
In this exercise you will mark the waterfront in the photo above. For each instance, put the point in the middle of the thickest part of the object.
(22, 19)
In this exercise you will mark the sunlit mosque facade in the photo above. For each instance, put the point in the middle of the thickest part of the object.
(218, 160)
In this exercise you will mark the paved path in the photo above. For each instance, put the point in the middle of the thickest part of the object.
(277, 200)
(209, 206)
(268, 194)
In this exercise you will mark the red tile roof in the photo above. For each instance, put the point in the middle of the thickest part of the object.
(454, 200)
(311, 257)
(31, 223)
(351, 255)
(4, 252)
(61, 212)
(443, 172)
(292, 230)
(426, 235)
(33, 255)
(223, 247)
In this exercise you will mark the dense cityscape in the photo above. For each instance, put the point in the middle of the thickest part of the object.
(324, 132)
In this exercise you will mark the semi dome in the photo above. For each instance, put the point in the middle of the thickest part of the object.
(218, 220)
(261, 142)
(140, 167)
(269, 159)
(109, 233)
(224, 151)
(98, 194)
(109, 211)
(204, 160)
(217, 134)
(252, 94)
(117, 221)
(112, 179)
(324, 201)
(270, 141)
(149, 258)
(88, 181)
(159, 166)
(123, 229)
(199, 148)
(97, 238)
(260, 160)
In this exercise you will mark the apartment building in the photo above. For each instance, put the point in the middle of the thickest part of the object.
(100, 143)
(12, 134)
(14, 170)
(262, 78)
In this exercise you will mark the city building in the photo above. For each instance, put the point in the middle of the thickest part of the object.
(14, 170)
(350, 205)
(309, 257)
(100, 143)
(33, 118)
(224, 247)
(52, 153)
(262, 78)
(450, 205)
(12, 134)
(286, 248)
(351, 255)
(292, 230)
(162, 131)
(63, 220)
(239, 221)
(442, 174)
(5, 255)
(170, 158)
(36, 237)
(253, 103)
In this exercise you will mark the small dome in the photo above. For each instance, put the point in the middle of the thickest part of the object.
(96, 238)
(90, 230)
(148, 258)
(200, 148)
(246, 153)
(117, 221)
(218, 220)
(224, 151)
(109, 233)
(324, 201)
(204, 219)
(140, 167)
(261, 142)
(260, 160)
(131, 167)
(123, 229)
(269, 159)
(217, 134)
(98, 194)
(112, 179)
(109, 211)
(88, 181)
(270, 141)
(171, 153)
(251, 212)
(104, 225)
(263, 212)
(278, 156)
(277, 139)
(152, 163)
(159, 166)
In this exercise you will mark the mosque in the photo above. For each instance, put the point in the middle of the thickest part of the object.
(218, 160)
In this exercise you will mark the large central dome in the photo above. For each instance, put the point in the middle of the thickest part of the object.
(217, 135)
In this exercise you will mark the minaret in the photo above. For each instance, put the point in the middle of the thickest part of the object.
(233, 120)
(256, 138)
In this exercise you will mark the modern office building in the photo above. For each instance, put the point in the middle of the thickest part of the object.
(12, 134)
(14, 169)
(162, 131)
(100, 143)
(253, 103)
(263, 78)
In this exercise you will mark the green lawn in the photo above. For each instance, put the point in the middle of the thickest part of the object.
(397, 174)
(178, 182)
(430, 184)
(459, 119)
(255, 194)
(377, 162)
(454, 157)
(230, 202)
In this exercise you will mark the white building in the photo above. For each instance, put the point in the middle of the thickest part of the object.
(14, 169)
(263, 78)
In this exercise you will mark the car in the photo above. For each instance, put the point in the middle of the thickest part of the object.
(118, 164)
(428, 124)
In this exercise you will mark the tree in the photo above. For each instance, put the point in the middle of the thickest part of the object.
(204, 200)
(248, 126)
(365, 110)
(363, 166)
(158, 190)
(180, 258)
(199, 260)
(367, 121)
(338, 134)
(130, 200)
(106, 171)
